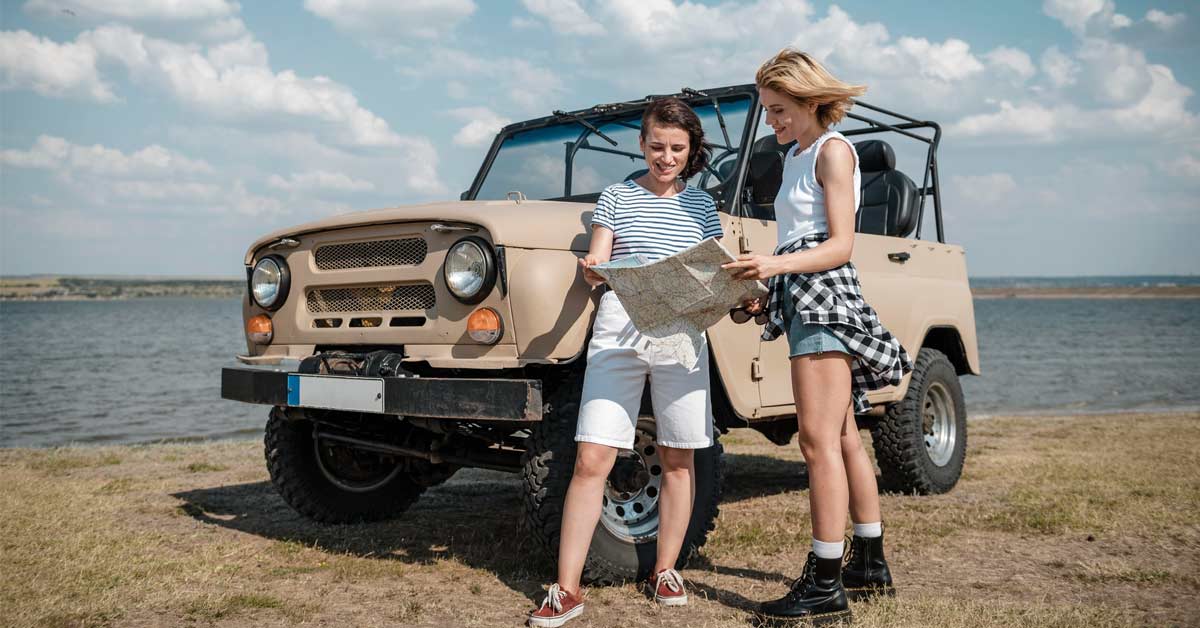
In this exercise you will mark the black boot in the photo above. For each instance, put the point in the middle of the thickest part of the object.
(816, 596)
(866, 573)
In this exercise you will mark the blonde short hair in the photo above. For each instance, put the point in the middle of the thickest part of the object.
(796, 74)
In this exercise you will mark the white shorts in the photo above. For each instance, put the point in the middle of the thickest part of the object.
(618, 361)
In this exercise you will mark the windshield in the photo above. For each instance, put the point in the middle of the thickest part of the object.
(568, 161)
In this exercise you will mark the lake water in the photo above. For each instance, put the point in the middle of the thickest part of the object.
(149, 369)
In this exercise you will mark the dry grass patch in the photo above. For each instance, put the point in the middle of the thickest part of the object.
(1081, 521)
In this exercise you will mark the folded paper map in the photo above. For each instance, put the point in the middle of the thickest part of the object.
(671, 301)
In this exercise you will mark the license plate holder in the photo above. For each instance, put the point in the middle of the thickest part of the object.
(332, 392)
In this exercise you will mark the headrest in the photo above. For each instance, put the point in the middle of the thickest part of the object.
(766, 175)
(768, 142)
(875, 156)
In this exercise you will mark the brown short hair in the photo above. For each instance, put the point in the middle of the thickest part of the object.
(799, 76)
(671, 111)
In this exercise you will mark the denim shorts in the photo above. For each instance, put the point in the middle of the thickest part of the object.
(809, 338)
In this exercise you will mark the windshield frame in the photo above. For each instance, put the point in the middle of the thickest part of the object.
(600, 115)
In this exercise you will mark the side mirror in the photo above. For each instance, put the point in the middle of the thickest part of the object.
(464, 195)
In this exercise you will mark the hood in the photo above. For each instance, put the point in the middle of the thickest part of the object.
(552, 225)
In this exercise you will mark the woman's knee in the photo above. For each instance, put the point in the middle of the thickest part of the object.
(818, 442)
(592, 461)
(851, 442)
(673, 459)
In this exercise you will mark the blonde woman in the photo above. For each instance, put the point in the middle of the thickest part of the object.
(838, 348)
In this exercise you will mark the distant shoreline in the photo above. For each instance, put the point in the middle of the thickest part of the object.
(1086, 292)
(55, 288)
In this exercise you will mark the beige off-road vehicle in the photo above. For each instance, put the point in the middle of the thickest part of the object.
(396, 346)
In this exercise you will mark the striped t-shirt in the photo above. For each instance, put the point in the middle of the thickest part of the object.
(653, 226)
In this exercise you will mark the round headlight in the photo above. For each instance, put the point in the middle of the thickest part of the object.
(269, 282)
(469, 270)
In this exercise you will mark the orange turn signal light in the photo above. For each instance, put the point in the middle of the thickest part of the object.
(483, 325)
(259, 329)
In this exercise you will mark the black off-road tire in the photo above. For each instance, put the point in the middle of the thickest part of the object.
(296, 474)
(548, 464)
(905, 462)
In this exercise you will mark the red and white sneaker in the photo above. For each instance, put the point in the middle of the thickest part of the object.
(558, 608)
(668, 588)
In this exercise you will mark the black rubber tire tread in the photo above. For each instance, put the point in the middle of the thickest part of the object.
(899, 441)
(546, 469)
(291, 462)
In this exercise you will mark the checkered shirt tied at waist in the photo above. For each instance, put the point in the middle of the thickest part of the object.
(834, 298)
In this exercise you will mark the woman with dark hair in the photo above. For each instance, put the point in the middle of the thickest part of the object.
(656, 214)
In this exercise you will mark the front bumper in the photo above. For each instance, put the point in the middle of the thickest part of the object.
(428, 397)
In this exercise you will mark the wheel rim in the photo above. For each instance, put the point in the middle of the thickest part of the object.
(938, 424)
(354, 470)
(630, 510)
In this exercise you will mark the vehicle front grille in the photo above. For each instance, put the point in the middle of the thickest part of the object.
(399, 252)
(418, 296)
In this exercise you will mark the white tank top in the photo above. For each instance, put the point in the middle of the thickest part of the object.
(800, 204)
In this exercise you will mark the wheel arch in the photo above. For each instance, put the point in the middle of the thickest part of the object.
(948, 340)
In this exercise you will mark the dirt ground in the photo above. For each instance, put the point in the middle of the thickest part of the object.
(1058, 521)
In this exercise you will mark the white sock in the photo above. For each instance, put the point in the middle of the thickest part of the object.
(828, 550)
(869, 530)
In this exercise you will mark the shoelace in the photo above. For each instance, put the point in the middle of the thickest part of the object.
(554, 598)
(674, 581)
(851, 551)
(801, 583)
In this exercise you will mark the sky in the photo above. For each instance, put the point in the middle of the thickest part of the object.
(162, 137)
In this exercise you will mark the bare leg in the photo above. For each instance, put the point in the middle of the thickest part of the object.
(821, 385)
(860, 473)
(581, 510)
(674, 503)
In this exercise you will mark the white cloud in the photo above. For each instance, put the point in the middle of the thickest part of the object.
(1164, 21)
(1186, 166)
(51, 69)
(135, 9)
(1017, 122)
(1161, 110)
(482, 125)
(948, 61)
(319, 180)
(233, 80)
(190, 191)
(1058, 67)
(1112, 73)
(61, 224)
(387, 23)
(565, 16)
(1075, 14)
(988, 189)
(456, 90)
(203, 20)
(56, 153)
(530, 87)
(524, 23)
(243, 51)
(1011, 61)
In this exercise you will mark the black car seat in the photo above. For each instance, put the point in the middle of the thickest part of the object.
(765, 176)
(889, 198)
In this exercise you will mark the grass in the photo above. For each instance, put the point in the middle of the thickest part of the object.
(1079, 521)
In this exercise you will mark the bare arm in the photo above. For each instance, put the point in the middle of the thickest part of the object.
(599, 251)
(835, 172)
